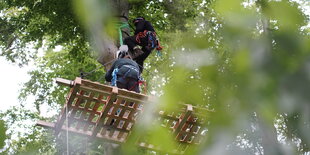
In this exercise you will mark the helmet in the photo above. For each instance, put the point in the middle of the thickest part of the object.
(138, 19)
(122, 54)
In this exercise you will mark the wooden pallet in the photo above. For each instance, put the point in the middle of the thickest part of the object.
(100, 111)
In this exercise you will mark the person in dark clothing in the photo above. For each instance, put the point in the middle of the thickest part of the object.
(124, 73)
(144, 36)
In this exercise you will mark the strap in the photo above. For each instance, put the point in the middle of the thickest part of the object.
(131, 67)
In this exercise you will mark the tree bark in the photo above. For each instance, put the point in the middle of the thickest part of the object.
(109, 46)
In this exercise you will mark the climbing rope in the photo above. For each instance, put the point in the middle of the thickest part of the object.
(85, 74)
(120, 26)
(67, 132)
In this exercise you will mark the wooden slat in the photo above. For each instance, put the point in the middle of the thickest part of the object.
(79, 132)
(45, 124)
(90, 89)
(64, 82)
(97, 86)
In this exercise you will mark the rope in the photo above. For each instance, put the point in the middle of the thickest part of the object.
(67, 132)
(120, 27)
(85, 74)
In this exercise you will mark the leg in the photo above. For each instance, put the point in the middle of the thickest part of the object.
(140, 59)
(121, 83)
(130, 42)
(133, 85)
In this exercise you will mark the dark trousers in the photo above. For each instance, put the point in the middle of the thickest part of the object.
(131, 42)
(130, 84)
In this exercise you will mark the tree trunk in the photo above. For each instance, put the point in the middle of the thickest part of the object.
(109, 46)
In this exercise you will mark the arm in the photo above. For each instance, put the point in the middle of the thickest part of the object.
(148, 26)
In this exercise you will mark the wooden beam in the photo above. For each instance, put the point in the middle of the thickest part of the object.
(67, 105)
(64, 82)
(78, 132)
(45, 124)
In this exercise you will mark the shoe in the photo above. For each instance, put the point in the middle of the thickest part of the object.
(136, 52)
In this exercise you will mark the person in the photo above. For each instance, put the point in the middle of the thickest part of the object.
(124, 73)
(144, 36)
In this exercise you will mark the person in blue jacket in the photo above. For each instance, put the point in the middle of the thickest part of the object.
(124, 73)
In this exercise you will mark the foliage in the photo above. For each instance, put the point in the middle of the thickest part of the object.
(22, 136)
(32, 22)
(57, 64)
(2, 134)
(247, 61)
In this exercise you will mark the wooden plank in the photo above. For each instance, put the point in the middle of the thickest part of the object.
(132, 99)
(106, 93)
(45, 124)
(97, 86)
(65, 82)
(132, 94)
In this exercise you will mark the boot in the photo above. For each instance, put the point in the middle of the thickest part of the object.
(136, 52)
